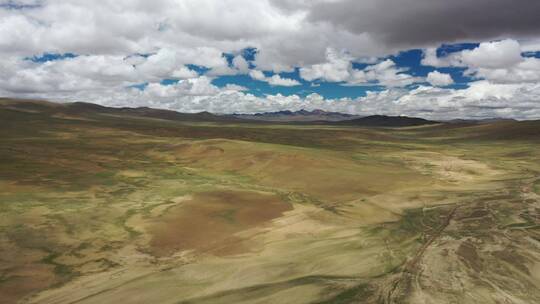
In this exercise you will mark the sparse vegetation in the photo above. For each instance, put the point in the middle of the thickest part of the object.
(228, 212)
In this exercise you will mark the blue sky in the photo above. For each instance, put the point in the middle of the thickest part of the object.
(325, 89)
(409, 60)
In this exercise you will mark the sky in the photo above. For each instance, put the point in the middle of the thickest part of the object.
(435, 59)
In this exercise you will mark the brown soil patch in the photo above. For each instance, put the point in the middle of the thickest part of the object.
(24, 281)
(327, 176)
(467, 252)
(208, 222)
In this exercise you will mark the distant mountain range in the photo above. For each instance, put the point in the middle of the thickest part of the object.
(335, 118)
(86, 110)
(302, 115)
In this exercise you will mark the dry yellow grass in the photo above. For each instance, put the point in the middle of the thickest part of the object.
(107, 209)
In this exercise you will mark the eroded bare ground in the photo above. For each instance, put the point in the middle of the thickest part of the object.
(106, 210)
(485, 250)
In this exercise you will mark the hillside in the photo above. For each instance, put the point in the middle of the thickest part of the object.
(102, 205)
(302, 116)
(387, 121)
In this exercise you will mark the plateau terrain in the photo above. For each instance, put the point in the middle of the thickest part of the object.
(108, 205)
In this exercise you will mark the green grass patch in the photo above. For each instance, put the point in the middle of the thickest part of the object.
(356, 294)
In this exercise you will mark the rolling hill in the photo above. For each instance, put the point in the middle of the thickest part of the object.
(102, 205)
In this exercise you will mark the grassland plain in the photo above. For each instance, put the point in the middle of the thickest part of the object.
(102, 208)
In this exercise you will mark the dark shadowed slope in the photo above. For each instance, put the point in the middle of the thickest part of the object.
(387, 121)
(84, 109)
(484, 131)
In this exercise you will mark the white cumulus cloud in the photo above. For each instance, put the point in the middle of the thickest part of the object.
(439, 79)
(274, 80)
